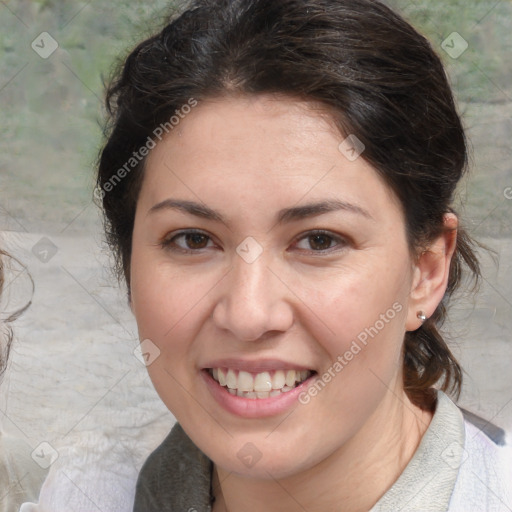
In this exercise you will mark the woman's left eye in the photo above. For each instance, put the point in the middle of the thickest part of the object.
(322, 241)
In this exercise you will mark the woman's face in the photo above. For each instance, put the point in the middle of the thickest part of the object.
(263, 255)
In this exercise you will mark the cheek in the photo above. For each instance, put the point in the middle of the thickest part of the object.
(162, 296)
(159, 302)
(365, 310)
(352, 300)
(171, 306)
(166, 308)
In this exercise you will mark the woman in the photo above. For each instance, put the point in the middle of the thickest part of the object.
(20, 476)
(278, 183)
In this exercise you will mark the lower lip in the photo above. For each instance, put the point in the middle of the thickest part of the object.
(257, 407)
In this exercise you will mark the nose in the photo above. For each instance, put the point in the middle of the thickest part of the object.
(254, 302)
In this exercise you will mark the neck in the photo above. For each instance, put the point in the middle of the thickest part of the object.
(356, 475)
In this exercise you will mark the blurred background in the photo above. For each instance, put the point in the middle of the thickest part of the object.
(73, 368)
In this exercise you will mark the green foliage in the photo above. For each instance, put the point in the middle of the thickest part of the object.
(483, 71)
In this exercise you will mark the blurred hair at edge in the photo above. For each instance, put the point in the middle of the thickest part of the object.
(6, 331)
(394, 96)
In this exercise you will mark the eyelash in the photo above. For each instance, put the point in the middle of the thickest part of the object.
(168, 243)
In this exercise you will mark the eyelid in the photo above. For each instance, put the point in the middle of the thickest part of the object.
(166, 241)
(342, 240)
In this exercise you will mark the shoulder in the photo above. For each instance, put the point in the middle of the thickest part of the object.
(93, 470)
(176, 476)
(484, 481)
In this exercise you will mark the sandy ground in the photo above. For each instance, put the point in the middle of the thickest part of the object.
(73, 368)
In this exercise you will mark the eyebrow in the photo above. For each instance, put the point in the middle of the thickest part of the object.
(284, 216)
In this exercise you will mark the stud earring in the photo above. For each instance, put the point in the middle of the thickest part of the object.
(421, 315)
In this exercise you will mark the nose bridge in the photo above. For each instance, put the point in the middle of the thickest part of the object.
(251, 280)
(253, 300)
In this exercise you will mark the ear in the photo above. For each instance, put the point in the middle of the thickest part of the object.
(431, 272)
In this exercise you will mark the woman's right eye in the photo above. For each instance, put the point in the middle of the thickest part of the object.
(186, 242)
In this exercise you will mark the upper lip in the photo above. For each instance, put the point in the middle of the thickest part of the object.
(255, 366)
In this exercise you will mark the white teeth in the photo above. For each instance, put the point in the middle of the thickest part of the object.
(290, 377)
(262, 382)
(278, 380)
(261, 385)
(221, 377)
(246, 382)
(231, 380)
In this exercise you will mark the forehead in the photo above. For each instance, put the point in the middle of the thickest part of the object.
(260, 148)
(252, 129)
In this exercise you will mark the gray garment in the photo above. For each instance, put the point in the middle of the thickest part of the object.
(20, 477)
(177, 475)
(427, 482)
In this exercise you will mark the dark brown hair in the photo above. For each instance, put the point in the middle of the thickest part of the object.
(378, 77)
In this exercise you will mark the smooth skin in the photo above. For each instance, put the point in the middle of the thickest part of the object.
(303, 300)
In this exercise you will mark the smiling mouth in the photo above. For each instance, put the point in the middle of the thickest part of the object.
(259, 385)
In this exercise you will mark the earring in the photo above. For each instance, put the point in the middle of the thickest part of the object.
(421, 315)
